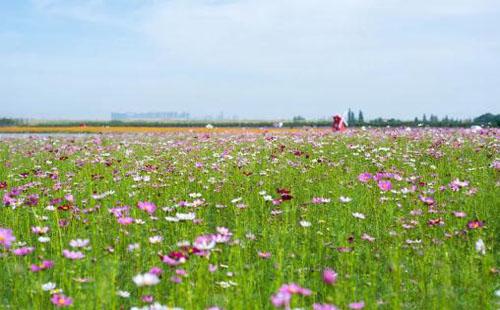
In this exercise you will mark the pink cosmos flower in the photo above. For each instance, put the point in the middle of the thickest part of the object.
(329, 276)
(281, 299)
(147, 206)
(320, 200)
(23, 251)
(367, 237)
(459, 214)
(73, 255)
(204, 242)
(357, 305)
(427, 200)
(324, 307)
(156, 271)
(212, 268)
(61, 301)
(6, 237)
(385, 185)
(286, 291)
(125, 220)
(364, 177)
(264, 255)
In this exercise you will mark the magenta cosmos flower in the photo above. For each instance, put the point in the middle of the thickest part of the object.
(23, 251)
(475, 224)
(61, 301)
(147, 206)
(329, 276)
(385, 185)
(6, 237)
(364, 177)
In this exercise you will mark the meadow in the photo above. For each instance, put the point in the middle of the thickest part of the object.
(387, 218)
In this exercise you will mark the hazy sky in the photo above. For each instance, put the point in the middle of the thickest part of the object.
(254, 58)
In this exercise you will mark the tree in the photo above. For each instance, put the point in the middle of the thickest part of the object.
(424, 119)
(351, 118)
(361, 118)
(298, 118)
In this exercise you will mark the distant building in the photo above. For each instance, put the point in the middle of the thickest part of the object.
(150, 116)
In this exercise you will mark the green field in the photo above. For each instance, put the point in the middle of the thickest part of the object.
(408, 219)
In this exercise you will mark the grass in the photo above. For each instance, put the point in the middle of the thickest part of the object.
(411, 264)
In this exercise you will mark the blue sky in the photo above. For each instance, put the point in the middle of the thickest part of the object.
(82, 59)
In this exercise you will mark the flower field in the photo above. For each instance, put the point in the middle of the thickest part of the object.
(233, 219)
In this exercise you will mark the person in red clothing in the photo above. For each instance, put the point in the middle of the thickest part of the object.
(338, 123)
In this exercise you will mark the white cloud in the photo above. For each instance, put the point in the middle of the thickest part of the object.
(296, 35)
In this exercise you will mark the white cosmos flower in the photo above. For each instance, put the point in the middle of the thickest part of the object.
(147, 279)
(345, 199)
(185, 216)
(49, 286)
(305, 223)
(358, 215)
(123, 294)
(43, 239)
(480, 247)
(155, 239)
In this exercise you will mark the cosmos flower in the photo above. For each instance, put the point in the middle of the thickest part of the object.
(60, 300)
(283, 297)
(345, 199)
(125, 220)
(264, 255)
(384, 185)
(475, 224)
(365, 177)
(480, 247)
(46, 264)
(6, 237)
(73, 255)
(427, 200)
(40, 230)
(79, 243)
(23, 251)
(147, 279)
(459, 214)
(147, 206)
(357, 305)
(305, 223)
(329, 276)
(155, 239)
(324, 307)
(49, 286)
(205, 242)
(123, 294)
(320, 200)
(358, 215)
(174, 258)
(367, 237)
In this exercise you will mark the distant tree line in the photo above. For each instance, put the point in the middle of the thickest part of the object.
(11, 122)
(486, 120)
